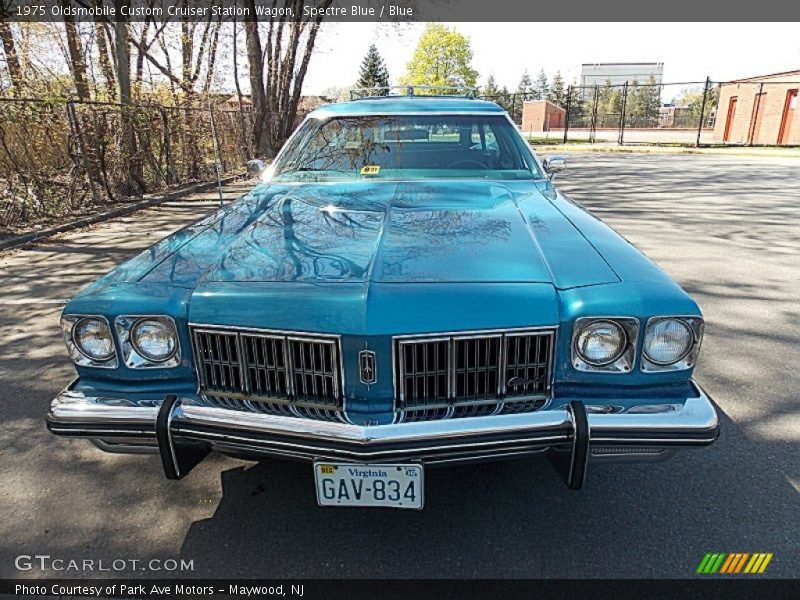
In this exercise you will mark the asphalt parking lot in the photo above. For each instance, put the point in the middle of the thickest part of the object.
(727, 229)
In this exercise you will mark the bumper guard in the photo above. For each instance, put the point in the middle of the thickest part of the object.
(183, 429)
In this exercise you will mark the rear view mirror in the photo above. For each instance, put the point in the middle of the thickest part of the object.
(553, 165)
(255, 167)
(408, 134)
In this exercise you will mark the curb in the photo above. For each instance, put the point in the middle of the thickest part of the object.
(26, 239)
(663, 150)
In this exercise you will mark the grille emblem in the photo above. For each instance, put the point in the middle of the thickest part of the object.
(367, 367)
(518, 381)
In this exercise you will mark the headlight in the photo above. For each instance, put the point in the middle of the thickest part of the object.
(92, 338)
(154, 339)
(667, 341)
(601, 343)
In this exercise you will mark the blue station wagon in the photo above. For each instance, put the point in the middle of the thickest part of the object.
(405, 288)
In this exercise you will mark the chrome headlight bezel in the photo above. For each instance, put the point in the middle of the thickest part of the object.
(134, 358)
(621, 364)
(695, 324)
(76, 353)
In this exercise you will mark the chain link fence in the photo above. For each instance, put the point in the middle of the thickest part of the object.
(685, 113)
(642, 113)
(63, 157)
(59, 158)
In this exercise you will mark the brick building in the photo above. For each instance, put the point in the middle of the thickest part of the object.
(542, 115)
(759, 110)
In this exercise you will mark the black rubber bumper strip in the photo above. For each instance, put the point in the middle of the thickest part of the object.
(570, 463)
(177, 457)
(580, 450)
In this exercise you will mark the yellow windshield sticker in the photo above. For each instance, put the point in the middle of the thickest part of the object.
(370, 170)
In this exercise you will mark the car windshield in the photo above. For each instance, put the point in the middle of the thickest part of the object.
(405, 147)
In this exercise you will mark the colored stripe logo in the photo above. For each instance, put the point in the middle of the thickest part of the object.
(732, 563)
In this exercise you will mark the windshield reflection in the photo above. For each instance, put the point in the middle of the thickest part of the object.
(406, 147)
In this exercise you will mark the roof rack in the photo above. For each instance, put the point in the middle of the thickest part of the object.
(413, 90)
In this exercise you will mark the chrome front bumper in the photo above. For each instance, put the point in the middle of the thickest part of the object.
(173, 424)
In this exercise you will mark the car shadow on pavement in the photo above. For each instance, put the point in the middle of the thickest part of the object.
(508, 519)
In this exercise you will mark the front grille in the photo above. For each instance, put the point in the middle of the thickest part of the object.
(465, 375)
(279, 373)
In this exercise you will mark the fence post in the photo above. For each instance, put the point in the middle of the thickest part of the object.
(77, 131)
(569, 102)
(216, 151)
(621, 138)
(703, 110)
(755, 114)
(593, 122)
(172, 176)
(514, 108)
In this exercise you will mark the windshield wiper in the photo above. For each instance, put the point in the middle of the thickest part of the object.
(313, 170)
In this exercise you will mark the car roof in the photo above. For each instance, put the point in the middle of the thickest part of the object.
(382, 105)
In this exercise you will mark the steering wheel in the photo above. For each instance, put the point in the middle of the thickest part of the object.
(467, 161)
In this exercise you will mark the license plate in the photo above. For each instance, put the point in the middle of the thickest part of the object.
(349, 484)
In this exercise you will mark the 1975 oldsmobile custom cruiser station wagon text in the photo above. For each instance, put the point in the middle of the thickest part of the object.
(405, 288)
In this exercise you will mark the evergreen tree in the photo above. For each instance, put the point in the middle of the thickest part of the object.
(651, 102)
(490, 90)
(643, 103)
(524, 92)
(557, 94)
(580, 110)
(373, 73)
(609, 105)
(504, 99)
(525, 86)
(634, 105)
(540, 88)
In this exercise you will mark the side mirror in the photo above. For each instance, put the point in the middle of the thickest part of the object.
(553, 165)
(255, 167)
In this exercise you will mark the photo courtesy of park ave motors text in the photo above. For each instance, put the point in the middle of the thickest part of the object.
(285, 281)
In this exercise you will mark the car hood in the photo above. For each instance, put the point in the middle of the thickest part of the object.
(388, 232)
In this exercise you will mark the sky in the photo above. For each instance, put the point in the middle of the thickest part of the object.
(689, 51)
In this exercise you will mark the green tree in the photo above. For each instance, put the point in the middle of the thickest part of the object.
(490, 91)
(504, 99)
(442, 58)
(540, 88)
(524, 92)
(579, 110)
(373, 72)
(634, 105)
(609, 105)
(557, 94)
(692, 98)
(525, 86)
(337, 93)
(643, 103)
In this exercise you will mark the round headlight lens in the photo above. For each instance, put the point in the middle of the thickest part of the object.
(667, 341)
(92, 338)
(155, 340)
(601, 343)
